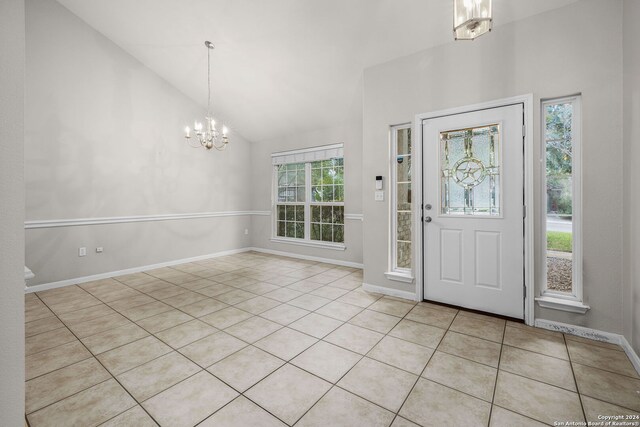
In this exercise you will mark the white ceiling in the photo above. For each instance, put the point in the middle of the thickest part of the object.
(280, 66)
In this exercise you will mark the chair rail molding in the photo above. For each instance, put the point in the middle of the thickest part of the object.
(354, 217)
(76, 222)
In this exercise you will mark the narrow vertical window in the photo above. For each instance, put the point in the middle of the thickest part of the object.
(561, 133)
(401, 229)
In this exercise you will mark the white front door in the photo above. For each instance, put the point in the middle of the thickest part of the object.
(473, 210)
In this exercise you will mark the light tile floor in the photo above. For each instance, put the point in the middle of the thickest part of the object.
(259, 340)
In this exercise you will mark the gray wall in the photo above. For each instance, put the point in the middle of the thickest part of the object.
(631, 297)
(351, 135)
(12, 53)
(349, 132)
(104, 138)
(551, 54)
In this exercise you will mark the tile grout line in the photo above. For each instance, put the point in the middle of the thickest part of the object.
(295, 366)
(387, 333)
(495, 384)
(335, 384)
(287, 362)
(397, 414)
(244, 268)
(112, 377)
(206, 369)
(575, 380)
(52, 347)
(73, 394)
(343, 322)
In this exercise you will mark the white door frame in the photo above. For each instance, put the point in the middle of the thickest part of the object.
(529, 252)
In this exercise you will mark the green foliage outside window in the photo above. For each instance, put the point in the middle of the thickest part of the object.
(326, 191)
(327, 186)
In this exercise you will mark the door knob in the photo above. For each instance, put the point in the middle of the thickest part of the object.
(427, 219)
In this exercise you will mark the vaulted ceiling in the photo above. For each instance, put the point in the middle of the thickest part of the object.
(279, 66)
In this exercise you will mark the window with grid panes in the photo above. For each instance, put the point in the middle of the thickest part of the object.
(327, 200)
(290, 204)
(401, 205)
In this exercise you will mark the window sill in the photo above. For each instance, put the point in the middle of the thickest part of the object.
(399, 277)
(562, 304)
(310, 243)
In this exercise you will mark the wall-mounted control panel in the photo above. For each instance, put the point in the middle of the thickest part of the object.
(379, 182)
(379, 194)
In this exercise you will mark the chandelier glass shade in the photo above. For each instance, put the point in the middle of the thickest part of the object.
(471, 18)
(207, 135)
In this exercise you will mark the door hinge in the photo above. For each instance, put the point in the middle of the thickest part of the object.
(524, 130)
(524, 292)
(524, 211)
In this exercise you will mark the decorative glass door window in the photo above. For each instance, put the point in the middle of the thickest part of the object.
(470, 171)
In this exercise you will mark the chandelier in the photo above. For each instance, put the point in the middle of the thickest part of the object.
(207, 135)
(471, 18)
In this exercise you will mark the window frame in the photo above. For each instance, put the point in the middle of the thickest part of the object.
(566, 301)
(400, 274)
(295, 203)
(307, 241)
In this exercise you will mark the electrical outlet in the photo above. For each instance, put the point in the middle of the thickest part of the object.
(82, 251)
(99, 250)
(246, 231)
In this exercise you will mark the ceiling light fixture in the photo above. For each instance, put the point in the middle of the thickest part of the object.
(208, 136)
(471, 18)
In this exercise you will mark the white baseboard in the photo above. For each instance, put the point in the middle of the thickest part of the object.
(592, 334)
(309, 258)
(633, 356)
(390, 291)
(580, 331)
(84, 279)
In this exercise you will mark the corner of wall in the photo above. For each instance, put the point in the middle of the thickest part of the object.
(12, 191)
(631, 186)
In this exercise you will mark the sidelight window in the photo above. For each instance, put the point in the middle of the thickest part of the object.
(401, 212)
(562, 186)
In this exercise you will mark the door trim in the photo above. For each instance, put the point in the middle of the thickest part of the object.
(529, 250)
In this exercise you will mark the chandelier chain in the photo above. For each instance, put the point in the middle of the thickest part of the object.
(208, 82)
